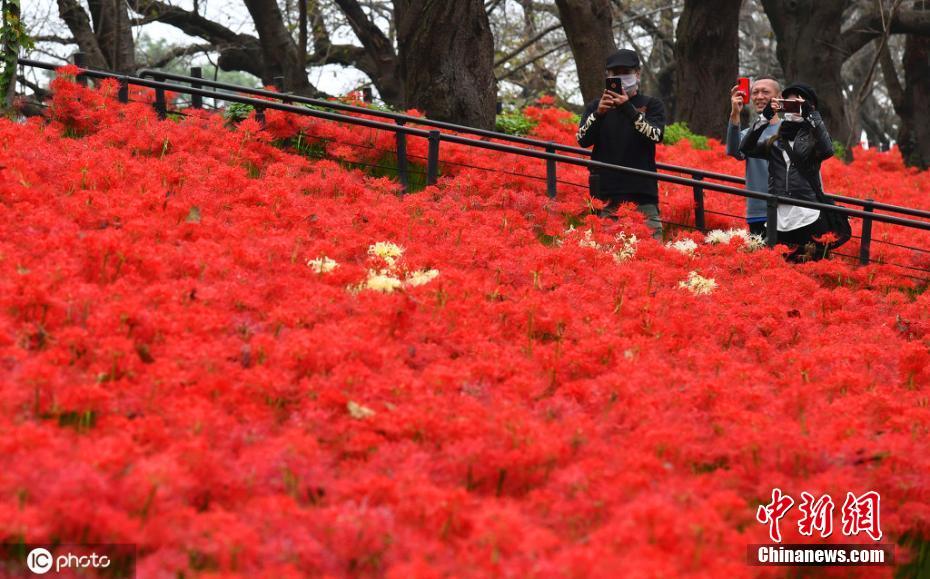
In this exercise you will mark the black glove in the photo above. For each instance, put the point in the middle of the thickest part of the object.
(768, 112)
(806, 109)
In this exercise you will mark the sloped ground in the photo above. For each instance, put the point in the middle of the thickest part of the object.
(250, 363)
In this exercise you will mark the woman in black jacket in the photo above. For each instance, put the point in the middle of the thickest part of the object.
(795, 154)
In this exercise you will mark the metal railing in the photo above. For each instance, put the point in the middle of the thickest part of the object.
(196, 80)
(400, 128)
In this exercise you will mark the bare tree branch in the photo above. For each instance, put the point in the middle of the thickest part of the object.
(56, 39)
(178, 52)
(869, 27)
(518, 50)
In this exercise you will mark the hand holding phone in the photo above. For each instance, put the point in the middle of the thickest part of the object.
(615, 84)
(736, 104)
(789, 105)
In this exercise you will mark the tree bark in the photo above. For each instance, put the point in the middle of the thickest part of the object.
(707, 64)
(588, 27)
(379, 61)
(114, 34)
(910, 100)
(447, 60)
(278, 47)
(79, 24)
(807, 51)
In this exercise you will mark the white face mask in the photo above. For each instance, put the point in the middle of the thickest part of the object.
(629, 81)
(793, 118)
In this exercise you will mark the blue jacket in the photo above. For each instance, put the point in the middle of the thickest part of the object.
(757, 170)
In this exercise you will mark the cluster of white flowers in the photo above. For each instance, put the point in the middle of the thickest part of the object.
(387, 251)
(421, 277)
(359, 412)
(697, 284)
(625, 248)
(750, 242)
(719, 236)
(683, 245)
(392, 277)
(380, 281)
(622, 249)
(322, 264)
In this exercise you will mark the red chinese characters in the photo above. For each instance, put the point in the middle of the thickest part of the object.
(859, 514)
(772, 513)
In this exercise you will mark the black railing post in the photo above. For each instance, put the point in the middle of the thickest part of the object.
(196, 100)
(161, 105)
(551, 173)
(402, 157)
(278, 82)
(865, 245)
(123, 93)
(699, 219)
(80, 61)
(367, 95)
(432, 159)
(260, 115)
(771, 223)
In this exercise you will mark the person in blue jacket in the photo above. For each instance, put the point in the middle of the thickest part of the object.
(764, 89)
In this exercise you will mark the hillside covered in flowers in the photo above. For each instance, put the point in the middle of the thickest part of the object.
(230, 347)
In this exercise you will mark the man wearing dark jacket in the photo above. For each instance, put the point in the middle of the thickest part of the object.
(624, 128)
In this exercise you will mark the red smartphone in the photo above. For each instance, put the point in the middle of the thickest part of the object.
(742, 84)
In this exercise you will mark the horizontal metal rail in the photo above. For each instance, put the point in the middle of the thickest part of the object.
(403, 118)
(435, 137)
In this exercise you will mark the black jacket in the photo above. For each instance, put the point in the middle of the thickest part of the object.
(626, 135)
(812, 146)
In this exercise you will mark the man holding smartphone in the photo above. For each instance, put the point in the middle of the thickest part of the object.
(624, 127)
(764, 89)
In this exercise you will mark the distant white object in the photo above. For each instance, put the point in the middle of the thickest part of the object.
(864, 140)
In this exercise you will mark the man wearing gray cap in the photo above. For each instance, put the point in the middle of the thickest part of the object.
(624, 127)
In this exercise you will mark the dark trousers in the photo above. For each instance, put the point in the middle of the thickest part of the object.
(806, 247)
(758, 228)
(649, 210)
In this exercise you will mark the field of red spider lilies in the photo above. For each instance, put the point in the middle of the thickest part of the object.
(252, 362)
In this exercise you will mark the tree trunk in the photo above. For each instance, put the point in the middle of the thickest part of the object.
(379, 60)
(278, 47)
(447, 60)
(106, 37)
(706, 64)
(114, 35)
(805, 31)
(588, 28)
(910, 100)
(79, 25)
